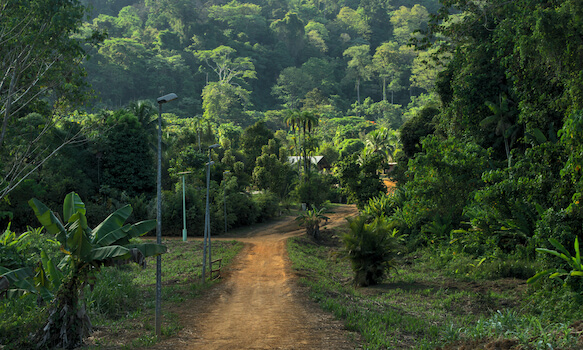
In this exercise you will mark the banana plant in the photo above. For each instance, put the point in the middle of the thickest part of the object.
(573, 261)
(86, 250)
(42, 278)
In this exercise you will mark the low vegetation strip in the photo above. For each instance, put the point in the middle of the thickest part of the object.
(121, 304)
(427, 306)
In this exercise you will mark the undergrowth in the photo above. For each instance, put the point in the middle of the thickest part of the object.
(432, 302)
(124, 298)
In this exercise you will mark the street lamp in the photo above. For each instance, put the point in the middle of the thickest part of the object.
(184, 204)
(161, 101)
(226, 172)
(207, 221)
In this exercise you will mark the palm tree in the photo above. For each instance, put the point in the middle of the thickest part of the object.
(383, 141)
(308, 121)
(145, 111)
(503, 116)
(311, 219)
(292, 120)
(373, 248)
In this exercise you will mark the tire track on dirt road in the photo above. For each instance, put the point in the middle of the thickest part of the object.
(259, 304)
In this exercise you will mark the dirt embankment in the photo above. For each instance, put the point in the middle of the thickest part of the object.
(259, 304)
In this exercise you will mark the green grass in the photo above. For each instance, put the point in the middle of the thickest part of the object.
(123, 298)
(427, 304)
(181, 282)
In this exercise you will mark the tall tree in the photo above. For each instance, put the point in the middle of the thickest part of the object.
(290, 30)
(386, 62)
(41, 55)
(406, 21)
(128, 161)
(360, 66)
(308, 120)
(225, 98)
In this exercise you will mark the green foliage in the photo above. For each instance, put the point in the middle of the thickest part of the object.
(574, 262)
(442, 180)
(28, 266)
(311, 219)
(114, 294)
(360, 182)
(128, 162)
(20, 318)
(87, 250)
(253, 139)
(267, 204)
(381, 205)
(414, 129)
(42, 50)
(349, 147)
(373, 249)
(313, 189)
(271, 173)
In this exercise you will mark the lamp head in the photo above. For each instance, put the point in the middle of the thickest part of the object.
(216, 145)
(167, 98)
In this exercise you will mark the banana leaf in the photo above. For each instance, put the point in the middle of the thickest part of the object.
(16, 275)
(110, 237)
(113, 222)
(54, 275)
(149, 249)
(20, 281)
(560, 247)
(78, 243)
(48, 219)
(109, 252)
(72, 205)
(123, 235)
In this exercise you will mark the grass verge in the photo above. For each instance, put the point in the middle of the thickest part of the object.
(121, 304)
(181, 282)
(425, 306)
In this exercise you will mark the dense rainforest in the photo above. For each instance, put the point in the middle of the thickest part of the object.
(473, 108)
(245, 73)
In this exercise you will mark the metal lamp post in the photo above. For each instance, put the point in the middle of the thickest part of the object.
(161, 101)
(207, 221)
(225, 198)
(184, 232)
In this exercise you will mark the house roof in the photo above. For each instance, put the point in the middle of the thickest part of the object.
(317, 160)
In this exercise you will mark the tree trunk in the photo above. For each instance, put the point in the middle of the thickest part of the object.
(68, 323)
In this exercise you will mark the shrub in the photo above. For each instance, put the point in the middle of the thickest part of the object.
(267, 204)
(373, 249)
(311, 219)
(312, 190)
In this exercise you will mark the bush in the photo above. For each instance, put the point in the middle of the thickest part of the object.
(359, 178)
(311, 220)
(20, 318)
(267, 204)
(313, 190)
(372, 248)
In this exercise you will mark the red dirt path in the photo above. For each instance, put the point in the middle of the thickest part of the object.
(259, 304)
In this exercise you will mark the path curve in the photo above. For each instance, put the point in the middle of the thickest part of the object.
(259, 305)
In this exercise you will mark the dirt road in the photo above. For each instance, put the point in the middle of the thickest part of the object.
(259, 305)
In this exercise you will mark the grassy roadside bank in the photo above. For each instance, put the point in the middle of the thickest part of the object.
(181, 273)
(426, 305)
(121, 304)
